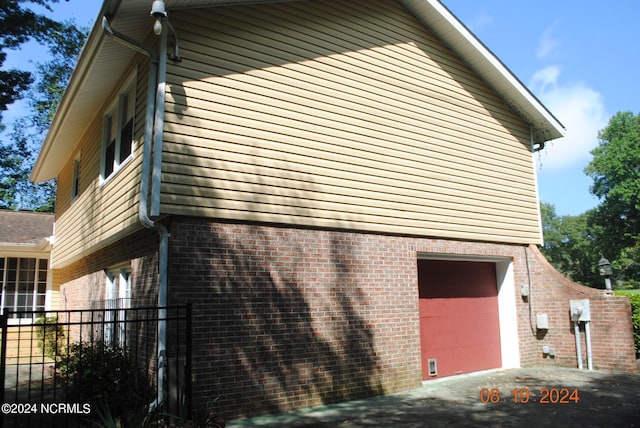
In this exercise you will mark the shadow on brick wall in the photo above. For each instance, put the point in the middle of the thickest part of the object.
(269, 336)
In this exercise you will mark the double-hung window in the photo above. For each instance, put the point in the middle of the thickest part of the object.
(118, 132)
(117, 300)
(24, 285)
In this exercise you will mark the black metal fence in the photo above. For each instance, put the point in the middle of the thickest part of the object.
(77, 367)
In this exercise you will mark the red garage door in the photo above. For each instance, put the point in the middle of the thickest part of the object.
(459, 324)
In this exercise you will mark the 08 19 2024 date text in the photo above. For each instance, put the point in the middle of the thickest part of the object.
(523, 395)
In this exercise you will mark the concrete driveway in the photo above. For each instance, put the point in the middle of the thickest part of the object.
(541, 397)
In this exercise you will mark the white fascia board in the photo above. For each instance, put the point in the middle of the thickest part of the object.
(438, 19)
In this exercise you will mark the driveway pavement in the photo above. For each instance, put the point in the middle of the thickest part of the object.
(541, 397)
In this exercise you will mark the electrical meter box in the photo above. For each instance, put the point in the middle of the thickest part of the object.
(542, 322)
(580, 310)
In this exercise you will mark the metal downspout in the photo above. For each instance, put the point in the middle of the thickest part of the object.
(158, 132)
(587, 335)
(576, 330)
(163, 253)
(153, 93)
(163, 256)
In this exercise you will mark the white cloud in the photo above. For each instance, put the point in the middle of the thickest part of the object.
(580, 109)
(547, 42)
(546, 78)
(479, 21)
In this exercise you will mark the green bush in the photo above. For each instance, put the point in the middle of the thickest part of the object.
(50, 336)
(106, 376)
(635, 315)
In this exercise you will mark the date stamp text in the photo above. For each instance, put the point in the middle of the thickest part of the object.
(524, 395)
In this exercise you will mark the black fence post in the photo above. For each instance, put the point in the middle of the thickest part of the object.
(3, 361)
(187, 368)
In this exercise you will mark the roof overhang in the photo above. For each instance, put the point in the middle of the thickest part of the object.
(101, 63)
(21, 249)
(455, 35)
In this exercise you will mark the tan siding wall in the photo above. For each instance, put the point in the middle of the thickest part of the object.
(100, 213)
(340, 114)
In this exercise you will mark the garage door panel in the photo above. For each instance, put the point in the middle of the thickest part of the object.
(443, 331)
(459, 323)
(466, 307)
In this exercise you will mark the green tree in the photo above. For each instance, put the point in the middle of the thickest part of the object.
(615, 170)
(570, 246)
(19, 148)
(18, 25)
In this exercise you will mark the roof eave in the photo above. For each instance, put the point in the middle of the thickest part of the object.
(62, 138)
(47, 164)
(453, 33)
(43, 246)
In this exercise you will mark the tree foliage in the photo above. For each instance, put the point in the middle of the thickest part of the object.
(569, 245)
(17, 26)
(44, 89)
(615, 170)
(574, 244)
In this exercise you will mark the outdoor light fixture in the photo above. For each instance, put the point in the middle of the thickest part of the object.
(604, 267)
(159, 13)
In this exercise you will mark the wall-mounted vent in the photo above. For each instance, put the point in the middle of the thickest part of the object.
(433, 366)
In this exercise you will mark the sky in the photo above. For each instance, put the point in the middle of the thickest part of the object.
(579, 57)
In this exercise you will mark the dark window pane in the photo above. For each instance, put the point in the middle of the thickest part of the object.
(126, 138)
(75, 189)
(109, 158)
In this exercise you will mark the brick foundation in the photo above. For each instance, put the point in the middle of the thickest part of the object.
(84, 281)
(286, 318)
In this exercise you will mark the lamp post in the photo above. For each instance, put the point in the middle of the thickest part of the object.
(604, 267)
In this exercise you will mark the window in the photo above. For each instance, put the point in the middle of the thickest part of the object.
(24, 285)
(118, 132)
(75, 183)
(117, 299)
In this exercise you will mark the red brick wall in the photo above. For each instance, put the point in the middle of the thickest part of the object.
(611, 328)
(286, 318)
(84, 281)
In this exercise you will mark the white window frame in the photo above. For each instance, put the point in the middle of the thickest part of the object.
(119, 116)
(117, 296)
(36, 282)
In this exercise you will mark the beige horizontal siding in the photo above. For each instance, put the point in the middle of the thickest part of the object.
(102, 212)
(340, 114)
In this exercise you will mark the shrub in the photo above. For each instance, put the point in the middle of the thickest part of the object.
(635, 315)
(106, 376)
(50, 336)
